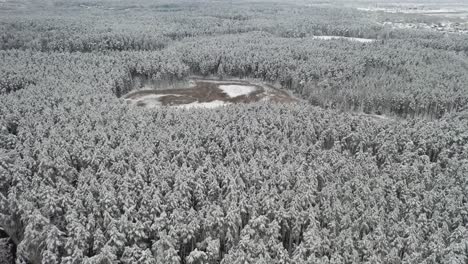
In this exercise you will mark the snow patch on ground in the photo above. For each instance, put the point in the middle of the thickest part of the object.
(237, 90)
(192, 84)
(150, 100)
(382, 118)
(150, 103)
(212, 104)
(362, 40)
(155, 96)
(413, 10)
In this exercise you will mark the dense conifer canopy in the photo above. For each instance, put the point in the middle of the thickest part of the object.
(85, 178)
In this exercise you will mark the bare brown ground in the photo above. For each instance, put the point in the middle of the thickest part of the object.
(207, 91)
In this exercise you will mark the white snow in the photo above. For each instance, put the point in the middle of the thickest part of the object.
(152, 104)
(237, 90)
(363, 40)
(150, 100)
(212, 104)
(192, 84)
(152, 96)
(414, 10)
(153, 100)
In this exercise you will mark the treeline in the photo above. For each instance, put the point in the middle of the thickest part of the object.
(87, 27)
(103, 73)
(62, 34)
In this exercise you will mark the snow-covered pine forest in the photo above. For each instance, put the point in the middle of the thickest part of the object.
(369, 166)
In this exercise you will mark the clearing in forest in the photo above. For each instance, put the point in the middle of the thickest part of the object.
(206, 93)
(362, 40)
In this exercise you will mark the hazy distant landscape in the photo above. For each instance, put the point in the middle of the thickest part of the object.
(233, 132)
